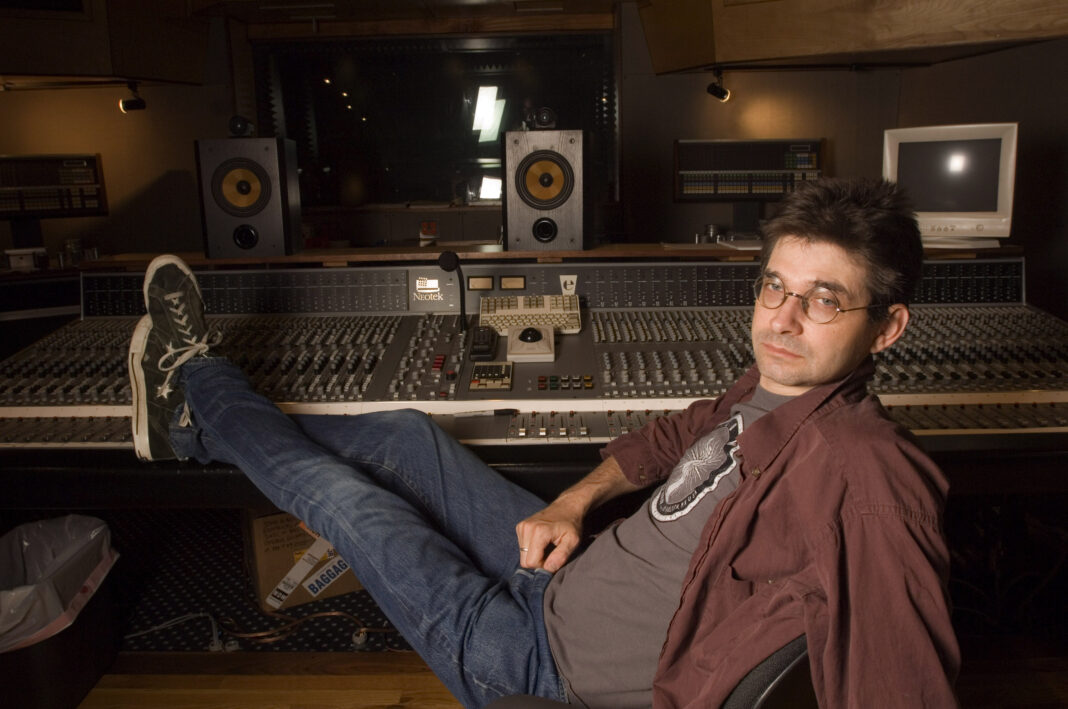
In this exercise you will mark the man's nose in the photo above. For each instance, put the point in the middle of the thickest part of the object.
(789, 316)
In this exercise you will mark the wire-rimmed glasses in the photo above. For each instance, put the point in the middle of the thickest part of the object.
(819, 304)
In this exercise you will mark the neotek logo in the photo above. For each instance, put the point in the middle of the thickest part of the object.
(427, 289)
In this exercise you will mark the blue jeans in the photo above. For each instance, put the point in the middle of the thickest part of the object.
(428, 528)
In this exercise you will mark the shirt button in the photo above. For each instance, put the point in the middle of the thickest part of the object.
(755, 473)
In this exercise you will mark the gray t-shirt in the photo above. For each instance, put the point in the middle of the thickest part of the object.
(607, 611)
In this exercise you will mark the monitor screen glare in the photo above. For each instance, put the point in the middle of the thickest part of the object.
(951, 175)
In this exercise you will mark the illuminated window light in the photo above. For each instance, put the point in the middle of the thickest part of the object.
(484, 107)
(489, 110)
(489, 133)
(491, 188)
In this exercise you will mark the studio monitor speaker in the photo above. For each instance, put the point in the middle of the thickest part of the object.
(249, 197)
(544, 198)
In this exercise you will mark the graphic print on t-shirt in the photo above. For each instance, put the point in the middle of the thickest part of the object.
(698, 472)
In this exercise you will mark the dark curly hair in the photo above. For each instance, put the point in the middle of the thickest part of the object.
(872, 219)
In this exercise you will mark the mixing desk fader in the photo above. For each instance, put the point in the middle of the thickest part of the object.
(652, 338)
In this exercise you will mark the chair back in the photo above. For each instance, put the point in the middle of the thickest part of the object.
(782, 681)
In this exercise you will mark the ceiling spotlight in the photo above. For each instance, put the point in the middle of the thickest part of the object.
(135, 102)
(717, 89)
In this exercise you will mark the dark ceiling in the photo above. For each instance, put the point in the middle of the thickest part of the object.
(280, 11)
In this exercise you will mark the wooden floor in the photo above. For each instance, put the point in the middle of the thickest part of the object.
(1003, 678)
(260, 680)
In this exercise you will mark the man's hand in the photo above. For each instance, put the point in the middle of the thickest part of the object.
(548, 538)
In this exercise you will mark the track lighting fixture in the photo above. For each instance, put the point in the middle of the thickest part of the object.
(135, 102)
(716, 87)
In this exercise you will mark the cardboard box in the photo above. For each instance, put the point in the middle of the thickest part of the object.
(284, 573)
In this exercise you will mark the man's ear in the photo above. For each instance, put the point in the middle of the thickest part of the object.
(891, 329)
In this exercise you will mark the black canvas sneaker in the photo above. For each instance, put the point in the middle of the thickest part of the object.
(173, 332)
(152, 414)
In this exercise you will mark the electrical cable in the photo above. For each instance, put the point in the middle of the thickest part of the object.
(215, 645)
(291, 624)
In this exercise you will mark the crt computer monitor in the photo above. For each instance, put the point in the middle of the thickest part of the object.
(960, 177)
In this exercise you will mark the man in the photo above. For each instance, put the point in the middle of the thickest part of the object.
(790, 505)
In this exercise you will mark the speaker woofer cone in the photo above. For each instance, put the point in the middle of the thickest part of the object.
(241, 187)
(544, 179)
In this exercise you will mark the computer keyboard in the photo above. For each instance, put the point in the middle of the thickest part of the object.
(560, 312)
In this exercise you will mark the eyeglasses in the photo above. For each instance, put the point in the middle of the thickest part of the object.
(819, 304)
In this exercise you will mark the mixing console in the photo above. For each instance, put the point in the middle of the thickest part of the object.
(346, 341)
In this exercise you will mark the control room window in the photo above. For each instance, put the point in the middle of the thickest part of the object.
(396, 121)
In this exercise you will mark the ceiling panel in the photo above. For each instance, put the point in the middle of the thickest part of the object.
(281, 11)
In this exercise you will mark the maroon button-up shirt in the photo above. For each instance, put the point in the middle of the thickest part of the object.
(834, 532)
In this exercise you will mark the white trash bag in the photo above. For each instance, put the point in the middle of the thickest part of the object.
(48, 572)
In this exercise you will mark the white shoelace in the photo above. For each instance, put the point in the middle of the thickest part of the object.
(175, 357)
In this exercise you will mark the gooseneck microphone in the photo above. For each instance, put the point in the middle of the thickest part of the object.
(449, 261)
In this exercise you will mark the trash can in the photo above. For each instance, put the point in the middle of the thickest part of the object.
(57, 628)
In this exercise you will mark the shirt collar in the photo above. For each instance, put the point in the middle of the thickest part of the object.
(769, 435)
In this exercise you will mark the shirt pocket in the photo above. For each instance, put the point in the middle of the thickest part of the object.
(730, 588)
